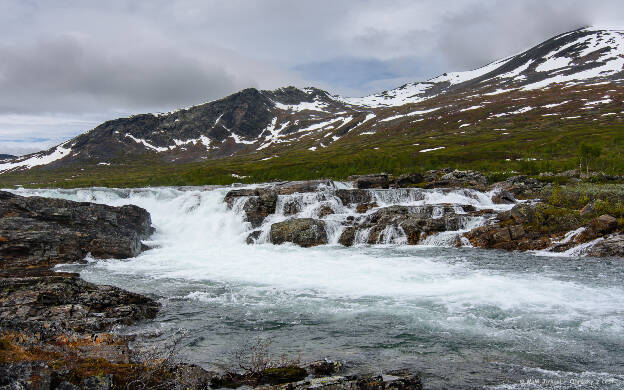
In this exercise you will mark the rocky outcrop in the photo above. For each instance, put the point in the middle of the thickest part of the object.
(521, 186)
(415, 222)
(406, 180)
(371, 181)
(458, 178)
(42, 231)
(258, 203)
(612, 246)
(305, 232)
(503, 197)
(49, 322)
(353, 197)
(69, 302)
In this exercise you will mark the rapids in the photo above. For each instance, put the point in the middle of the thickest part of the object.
(459, 316)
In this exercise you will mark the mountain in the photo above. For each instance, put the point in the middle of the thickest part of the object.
(7, 156)
(573, 78)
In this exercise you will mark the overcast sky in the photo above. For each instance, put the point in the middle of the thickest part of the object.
(67, 65)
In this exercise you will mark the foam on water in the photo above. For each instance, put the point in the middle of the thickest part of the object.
(201, 256)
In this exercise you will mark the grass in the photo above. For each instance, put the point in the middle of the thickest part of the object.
(531, 147)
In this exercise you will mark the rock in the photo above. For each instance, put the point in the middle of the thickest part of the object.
(258, 203)
(521, 186)
(325, 368)
(604, 224)
(100, 382)
(456, 178)
(364, 207)
(588, 210)
(392, 380)
(291, 207)
(36, 230)
(372, 181)
(324, 211)
(305, 232)
(407, 180)
(609, 247)
(347, 238)
(415, 222)
(350, 197)
(253, 237)
(69, 302)
(292, 187)
(570, 173)
(503, 197)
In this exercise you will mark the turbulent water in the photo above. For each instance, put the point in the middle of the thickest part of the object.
(460, 317)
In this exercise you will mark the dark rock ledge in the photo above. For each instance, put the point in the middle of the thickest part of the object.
(53, 325)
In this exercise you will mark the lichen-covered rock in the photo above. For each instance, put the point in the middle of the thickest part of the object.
(69, 302)
(305, 232)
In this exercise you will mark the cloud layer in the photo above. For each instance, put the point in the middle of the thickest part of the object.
(83, 61)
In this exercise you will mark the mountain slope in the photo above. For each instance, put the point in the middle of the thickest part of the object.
(573, 79)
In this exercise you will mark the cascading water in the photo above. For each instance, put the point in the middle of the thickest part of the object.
(459, 316)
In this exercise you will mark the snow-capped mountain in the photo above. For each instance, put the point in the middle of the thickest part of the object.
(573, 75)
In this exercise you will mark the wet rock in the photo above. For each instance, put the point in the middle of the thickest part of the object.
(503, 197)
(350, 197)
(609, 247)
(458, 178)
(291, 207)
(253, 237)
(324, 368)
(325, 211)
(258, 203)
(347, 238)
(305, 232)
(292, 187)
(372, 181)
(364, 207)
(36, 230)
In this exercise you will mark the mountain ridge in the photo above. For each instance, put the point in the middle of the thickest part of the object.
(267, 123)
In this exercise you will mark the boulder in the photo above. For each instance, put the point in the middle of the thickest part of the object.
(347, 238)
(350, 197)
(36, 230)
(364, 207)
(407, 180)
(609, 247)
(305, 232)
(325, 210)
(69, 302)
(455, 178)
(292, 187)
(503, 197)
(372, 181)
(258, 203)
(604, 224)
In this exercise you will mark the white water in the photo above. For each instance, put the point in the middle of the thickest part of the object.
(334, 301)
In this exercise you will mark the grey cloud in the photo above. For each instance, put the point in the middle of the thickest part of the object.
(68, 74)
(94, 59)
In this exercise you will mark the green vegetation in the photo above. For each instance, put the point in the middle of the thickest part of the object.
(526, 148)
